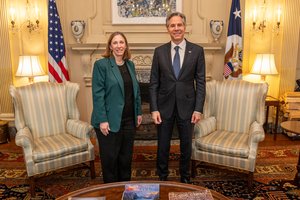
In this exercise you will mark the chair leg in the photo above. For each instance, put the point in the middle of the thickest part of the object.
(32, 186)
(92, 168)
(250, 181)
(193, 170)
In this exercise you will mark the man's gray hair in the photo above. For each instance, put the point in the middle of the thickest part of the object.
(176, 14)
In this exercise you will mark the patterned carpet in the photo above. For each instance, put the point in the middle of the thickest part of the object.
(273, 165)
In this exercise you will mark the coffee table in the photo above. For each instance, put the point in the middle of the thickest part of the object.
(293, 127)
(114, 191)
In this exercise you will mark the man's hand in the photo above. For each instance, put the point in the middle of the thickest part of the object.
(196, 117)
(156, 117)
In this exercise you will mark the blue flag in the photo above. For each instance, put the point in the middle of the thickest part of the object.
(234, 47)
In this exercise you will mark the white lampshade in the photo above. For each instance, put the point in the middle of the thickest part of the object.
(264, 64)
(29, 66)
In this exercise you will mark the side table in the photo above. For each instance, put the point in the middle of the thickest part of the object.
(4, 135)
(271, 101)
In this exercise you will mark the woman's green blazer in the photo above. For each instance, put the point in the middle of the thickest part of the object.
(108, 93)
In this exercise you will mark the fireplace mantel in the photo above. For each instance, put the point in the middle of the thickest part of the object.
(141, 56)
(141, 47)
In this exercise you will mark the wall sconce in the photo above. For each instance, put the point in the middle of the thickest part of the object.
(27, 16)
(260, 17)
(264, 64)
(29, 66)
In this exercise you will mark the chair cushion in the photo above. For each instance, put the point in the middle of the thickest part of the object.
(48, 148)
(225, 143)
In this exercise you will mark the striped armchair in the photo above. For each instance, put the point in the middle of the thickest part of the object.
(49, 129)
(234, 113)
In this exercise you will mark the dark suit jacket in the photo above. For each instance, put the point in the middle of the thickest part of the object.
(108, 93)
(188, 92)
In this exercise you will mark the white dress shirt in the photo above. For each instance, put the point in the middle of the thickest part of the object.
(181, 50)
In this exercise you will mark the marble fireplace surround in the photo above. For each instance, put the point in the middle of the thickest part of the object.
(141, 55)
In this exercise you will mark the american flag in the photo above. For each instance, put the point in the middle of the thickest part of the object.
(234, 47)
(228, 69)
(57, 64)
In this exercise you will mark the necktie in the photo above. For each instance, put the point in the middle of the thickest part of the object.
(176, 62)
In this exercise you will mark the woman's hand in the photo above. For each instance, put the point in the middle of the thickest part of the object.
(139, 120)
(104, 128)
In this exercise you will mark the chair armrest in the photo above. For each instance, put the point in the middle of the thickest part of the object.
(256, 133)
(79, 128)
(24, 138)
(205, 126)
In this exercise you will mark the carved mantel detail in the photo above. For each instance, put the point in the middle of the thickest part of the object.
(141, 56)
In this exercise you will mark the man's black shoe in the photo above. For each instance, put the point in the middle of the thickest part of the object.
(185, 180)
(163, 178)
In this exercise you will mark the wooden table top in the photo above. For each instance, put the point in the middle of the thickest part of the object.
(114, 191)
(291, 126)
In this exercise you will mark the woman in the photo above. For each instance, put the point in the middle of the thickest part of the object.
(116, 108)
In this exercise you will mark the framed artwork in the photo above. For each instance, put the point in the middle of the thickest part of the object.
(143, 11)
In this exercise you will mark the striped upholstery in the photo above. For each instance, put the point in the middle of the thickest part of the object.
(240, 97)
(49, 129)
(209, 104)
(49, 148)
(44, 108)
(232, 126)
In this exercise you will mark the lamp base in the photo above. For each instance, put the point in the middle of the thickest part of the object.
(263, 78)
(30, 79)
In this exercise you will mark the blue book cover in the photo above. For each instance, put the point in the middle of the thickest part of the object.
(142, 191)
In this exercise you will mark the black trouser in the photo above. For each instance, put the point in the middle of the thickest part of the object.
(164, 130)
(116, 151)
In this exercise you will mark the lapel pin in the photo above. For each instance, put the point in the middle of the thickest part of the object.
(190, 51)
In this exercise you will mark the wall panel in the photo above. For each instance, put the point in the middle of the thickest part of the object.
(5, 65)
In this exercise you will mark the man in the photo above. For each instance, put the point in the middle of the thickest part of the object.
(177, 92)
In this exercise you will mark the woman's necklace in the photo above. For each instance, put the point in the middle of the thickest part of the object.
(120, 62)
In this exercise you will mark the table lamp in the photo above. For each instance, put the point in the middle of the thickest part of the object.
(264, 64)
(29, 66)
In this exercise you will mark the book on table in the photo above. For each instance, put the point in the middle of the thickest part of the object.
(87, 198)
(143, 191)
(193, 195)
